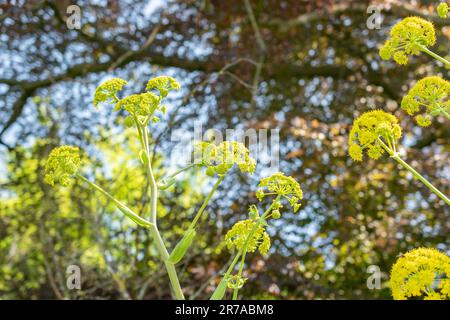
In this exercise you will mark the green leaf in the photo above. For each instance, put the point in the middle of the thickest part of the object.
(166, 183)
(220, 290)
(182, 246)
(143, 156)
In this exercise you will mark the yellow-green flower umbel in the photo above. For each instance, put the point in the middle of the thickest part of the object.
(222, 157)
(442, 10)
(283, 186)
(163, 84)
(373, 131)
(430, 94)
(408, 37)
(107, 91)
(139, 105)
(62, 163)
(239, 236)
(422, 272)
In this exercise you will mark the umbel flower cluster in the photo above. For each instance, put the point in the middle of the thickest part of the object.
(236, 237)
(442, 10)
(408, 37)
(141, 106)
(421, 272)
(431, 95)
(371, 132)
(62, 163)
(107, 91)
(250, 233)
(218, 159)
(285, 187)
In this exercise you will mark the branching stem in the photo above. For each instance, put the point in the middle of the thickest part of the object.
(164, 254)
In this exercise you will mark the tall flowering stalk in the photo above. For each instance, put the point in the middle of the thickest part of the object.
(64, 164)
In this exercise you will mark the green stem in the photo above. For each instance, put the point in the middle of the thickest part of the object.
(178, 293)
(445, 113)
(241, 268)
(173, 175)
(233, 263)
(421, 178)
(169, 180)
(205, 202)
(170, 268)
(151, 178)
(434, 55)
(171, 271)
(216, 295)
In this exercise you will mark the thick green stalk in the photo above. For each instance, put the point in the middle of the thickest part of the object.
(171, 271)
(151, 178)
(434, 55)
(170, 268)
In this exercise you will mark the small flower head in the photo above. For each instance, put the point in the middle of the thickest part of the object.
(422, 272)
(142, 106)
(236, 237)
(442, 10)
(367, 129)
(407, 37)
(283, 186)
(106, 92)
(62, 163)
(430, 95)
(220, 158)
(163, 84)
(236, 282)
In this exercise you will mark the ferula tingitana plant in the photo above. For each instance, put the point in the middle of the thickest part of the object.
(376, 133)
(421, 273)
(64, 164)
(410, 36)
(250, 235)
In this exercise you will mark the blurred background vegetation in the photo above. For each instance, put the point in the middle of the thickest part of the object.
(307, 68)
